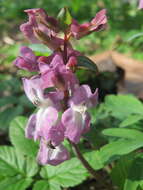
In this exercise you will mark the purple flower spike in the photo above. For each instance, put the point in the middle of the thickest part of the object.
(140, 4)
(62, 104)
(27, 60)
(52, 156)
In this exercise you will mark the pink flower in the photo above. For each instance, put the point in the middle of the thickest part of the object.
(140, 4)
(58, 75)
(47, 155)
(45, 125)
(97, 23)
(41, 28)
(35, 91)
(27, 60)
(76, 118)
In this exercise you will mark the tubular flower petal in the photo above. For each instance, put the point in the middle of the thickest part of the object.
(41, 28)
(76, 124)
(56, 74)
(27, 60)
(52, 156)
(76, 119)
(97, 23)
(34, 90)
(30, 128)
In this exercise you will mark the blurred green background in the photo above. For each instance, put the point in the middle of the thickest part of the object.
(124, 34)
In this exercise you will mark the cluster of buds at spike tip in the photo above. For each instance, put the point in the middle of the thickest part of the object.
(55, 89)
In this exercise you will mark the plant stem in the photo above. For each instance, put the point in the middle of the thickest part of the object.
(65, 48)
(85, 163)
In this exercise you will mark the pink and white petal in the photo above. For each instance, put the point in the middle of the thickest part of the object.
(42, 156)
(33, 88)
(79, 96)
(87, 120)
(73, 122)
(53, 133)
(45, 119)
(30, 127)
(50, 156)
(58, 155)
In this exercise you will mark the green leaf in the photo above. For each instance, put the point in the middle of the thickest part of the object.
(120, 171)
(135, 175)
(124, 133)
(45, 185)
(67, 174)
(121, 106)
(8, 115)
(41, 184)
(86, 63)
(8, 165)
(94, 159)
(8, 100)
(41, 48)
(131, 185)
(15, 183)
(114, 150)
(18, 139)
(27, 164)
(131, 119)
(13, 163)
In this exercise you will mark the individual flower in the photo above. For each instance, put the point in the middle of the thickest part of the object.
(97, 23)
(45, 124)
(76, 119)
(140, 4)
(52, 156)
(27, 60)
(35, 91)
(57, 74)
(41, 28)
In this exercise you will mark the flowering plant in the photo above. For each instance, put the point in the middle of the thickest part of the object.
(106, 139)
(56, 74)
